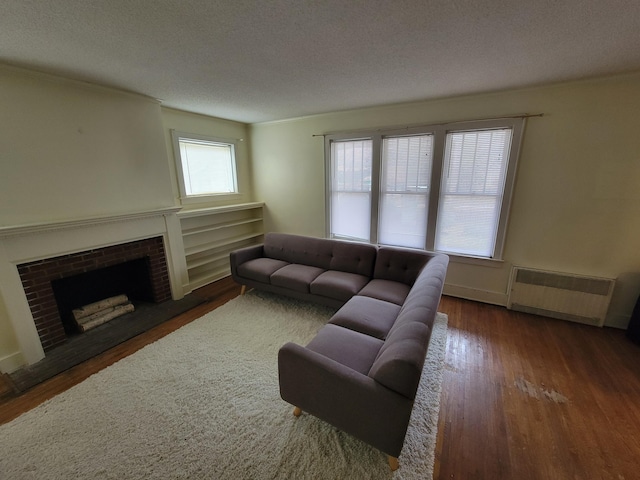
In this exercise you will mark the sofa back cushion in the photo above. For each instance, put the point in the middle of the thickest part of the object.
(315, 252)
(399, 363)
(359, 258)
(422, 301)
(400, 265)
(323, 253)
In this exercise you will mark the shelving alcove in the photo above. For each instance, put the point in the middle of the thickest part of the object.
(210, 234)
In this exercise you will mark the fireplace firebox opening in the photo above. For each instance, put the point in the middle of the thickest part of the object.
(54, 286)
(129, 278)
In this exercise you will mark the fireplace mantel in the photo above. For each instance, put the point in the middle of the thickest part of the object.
(31, 242)
(81, 222)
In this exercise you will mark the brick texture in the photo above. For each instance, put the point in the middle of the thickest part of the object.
(37, 276)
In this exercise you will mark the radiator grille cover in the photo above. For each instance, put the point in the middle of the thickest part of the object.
(576, 298)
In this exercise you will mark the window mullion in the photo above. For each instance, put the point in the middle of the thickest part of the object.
(329, 175)
(439, 139)
(376, 185)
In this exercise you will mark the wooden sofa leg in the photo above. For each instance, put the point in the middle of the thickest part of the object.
(297, 411)
(243, 289)
(393, 463)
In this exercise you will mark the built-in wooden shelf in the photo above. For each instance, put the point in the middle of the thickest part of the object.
(210, 234)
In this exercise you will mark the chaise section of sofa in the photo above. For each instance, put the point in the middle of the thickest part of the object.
(362, 371)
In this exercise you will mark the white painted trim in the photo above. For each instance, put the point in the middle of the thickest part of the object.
(617, 320)
(475, 294)
(176, 260)
(75, 82)
(613, 320)
(176, 136)
(222, 209)
(208, 199)
(481, 261)
(12, 362)
(17, 308)
(81, 222)
(26, 243)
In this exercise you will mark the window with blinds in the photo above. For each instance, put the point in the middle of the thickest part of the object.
(351, 163)
(473, 178)
(206, 165)
(443, 188)
(404, 198)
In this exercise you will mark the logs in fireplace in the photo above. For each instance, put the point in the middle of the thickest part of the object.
(130, 279)
(56, 286)
(95, 314)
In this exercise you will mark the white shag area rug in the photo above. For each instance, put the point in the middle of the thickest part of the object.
(203, 403)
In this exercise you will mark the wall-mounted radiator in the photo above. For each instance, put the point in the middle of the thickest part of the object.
(560, 295)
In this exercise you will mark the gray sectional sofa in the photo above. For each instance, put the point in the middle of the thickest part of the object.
(361, 371)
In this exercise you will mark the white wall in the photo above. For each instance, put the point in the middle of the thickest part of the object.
(71, 150)
(576, 205)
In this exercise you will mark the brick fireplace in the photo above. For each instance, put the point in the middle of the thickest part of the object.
(33, 256)
(38, 280)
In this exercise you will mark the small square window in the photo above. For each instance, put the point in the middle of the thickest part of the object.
(206, 165)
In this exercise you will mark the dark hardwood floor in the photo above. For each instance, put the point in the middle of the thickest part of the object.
(528, 397)
(523, 397)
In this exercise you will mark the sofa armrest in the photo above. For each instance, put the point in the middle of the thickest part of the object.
(242, 255)
(345, 398)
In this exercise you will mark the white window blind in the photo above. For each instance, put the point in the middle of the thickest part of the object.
(206, 166)
(473, 178)
(404, 199)
(444, 187)
(351, 189)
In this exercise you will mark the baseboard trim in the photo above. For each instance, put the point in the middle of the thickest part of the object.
(11, 363)
(476, 294)
(617, 320)
(613, 320)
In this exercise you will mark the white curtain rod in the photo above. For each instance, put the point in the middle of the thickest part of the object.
(524, 115)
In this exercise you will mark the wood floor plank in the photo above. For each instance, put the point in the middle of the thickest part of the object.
(523, 397)
(527, 397)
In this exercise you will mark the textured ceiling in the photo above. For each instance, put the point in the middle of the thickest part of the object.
(256, 61)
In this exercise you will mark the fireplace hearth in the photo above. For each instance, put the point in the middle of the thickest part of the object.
(79, 348)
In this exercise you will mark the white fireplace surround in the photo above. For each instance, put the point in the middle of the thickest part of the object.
(27, 243)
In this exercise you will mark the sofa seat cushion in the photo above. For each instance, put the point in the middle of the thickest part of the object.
(338, 285)
(367, 315)
(351, 349)
(296, 277)
(260, 269)
(387, 290)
